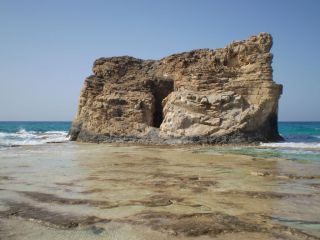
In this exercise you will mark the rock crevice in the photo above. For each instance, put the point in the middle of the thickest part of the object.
(211, 96)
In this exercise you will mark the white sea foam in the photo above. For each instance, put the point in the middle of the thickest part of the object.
(23, 137)
(303, 145)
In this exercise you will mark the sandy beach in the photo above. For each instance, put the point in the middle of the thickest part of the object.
(100, 191)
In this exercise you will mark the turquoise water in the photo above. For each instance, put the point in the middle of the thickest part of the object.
(32, 133)
(302, 143)
(300, 131)
(13, 127)
(302, 139)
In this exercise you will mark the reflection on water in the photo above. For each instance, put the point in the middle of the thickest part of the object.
(92, 191)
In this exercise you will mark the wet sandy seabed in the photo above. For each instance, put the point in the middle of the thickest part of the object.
(91, 191)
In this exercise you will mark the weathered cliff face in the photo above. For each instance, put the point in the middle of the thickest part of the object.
(223, 95)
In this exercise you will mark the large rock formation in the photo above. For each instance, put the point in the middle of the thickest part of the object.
(212, 96)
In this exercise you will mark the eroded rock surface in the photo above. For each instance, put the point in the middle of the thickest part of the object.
(211, 96)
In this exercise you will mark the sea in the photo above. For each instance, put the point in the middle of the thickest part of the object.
(302, 139)
(14, 134)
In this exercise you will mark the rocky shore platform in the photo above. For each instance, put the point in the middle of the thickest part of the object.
(94, 191)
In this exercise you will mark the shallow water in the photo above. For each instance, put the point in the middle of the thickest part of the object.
(99, 191)
(302, 139)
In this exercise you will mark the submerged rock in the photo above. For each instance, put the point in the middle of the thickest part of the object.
(208, 96)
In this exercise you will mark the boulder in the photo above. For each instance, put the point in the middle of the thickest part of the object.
(225, 95)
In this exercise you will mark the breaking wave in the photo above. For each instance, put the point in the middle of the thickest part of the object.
(23, 137)
(299, 145)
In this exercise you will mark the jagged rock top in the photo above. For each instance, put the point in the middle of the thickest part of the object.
(222, 95)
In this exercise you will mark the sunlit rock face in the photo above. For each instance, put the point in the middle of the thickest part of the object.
(206, 96)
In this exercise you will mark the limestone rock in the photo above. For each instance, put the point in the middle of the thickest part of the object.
(211, 96)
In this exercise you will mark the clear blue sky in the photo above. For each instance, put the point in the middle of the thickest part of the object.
(47, 47)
